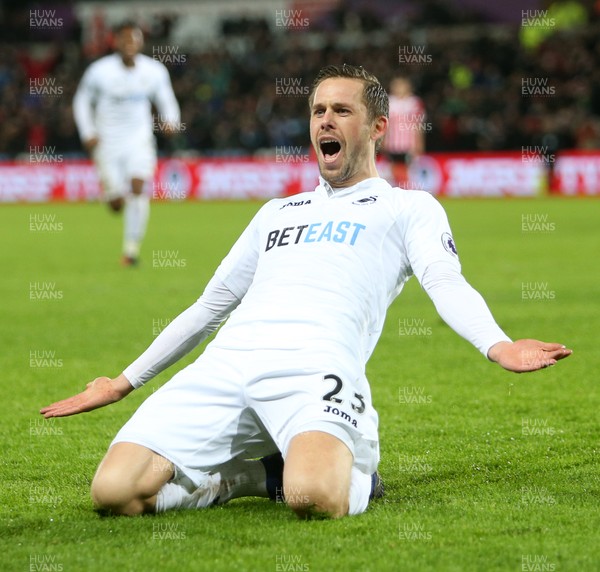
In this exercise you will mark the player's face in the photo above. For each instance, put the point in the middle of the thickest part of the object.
(129, 42)
(400, 87)
(341, 132)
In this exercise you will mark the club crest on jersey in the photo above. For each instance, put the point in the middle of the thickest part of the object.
(448, 243)
(365, 201)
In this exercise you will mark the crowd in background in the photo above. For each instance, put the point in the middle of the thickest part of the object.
(470, 80)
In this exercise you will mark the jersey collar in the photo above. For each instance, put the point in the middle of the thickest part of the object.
(324, 188)
(136, 61)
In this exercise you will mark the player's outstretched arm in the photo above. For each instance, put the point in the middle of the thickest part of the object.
(98, 393)
(527, 355)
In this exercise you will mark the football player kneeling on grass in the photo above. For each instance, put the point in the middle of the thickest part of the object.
(305, 290)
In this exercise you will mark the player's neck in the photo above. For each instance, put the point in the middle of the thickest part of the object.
(358, 177)
(128, 61)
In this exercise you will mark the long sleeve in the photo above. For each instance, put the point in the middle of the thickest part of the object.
(83, 108)
(221, 296)
(461, 306)
(166, 102)
(434, 261)
(184, 333)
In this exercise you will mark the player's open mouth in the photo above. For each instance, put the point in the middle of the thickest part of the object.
(330, 149)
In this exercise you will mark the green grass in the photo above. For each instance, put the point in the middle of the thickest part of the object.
(467, 488)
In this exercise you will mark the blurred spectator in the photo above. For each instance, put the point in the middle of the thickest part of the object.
(405, 137)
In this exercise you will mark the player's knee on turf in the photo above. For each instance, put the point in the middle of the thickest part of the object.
(107, 493)
(316, 475)
(114, 491)
(310, 498)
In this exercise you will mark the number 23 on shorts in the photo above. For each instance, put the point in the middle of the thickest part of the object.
(357, 404)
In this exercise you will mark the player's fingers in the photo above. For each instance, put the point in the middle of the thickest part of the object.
(55, 409)
(547, 359)
(559, 354)
(62, 412)
(65, 409)
(556, 350)
(50, 412)
(551, 347)
(78, 399)
(64, 401)
(68, 401)
(533, 360)
(542, 363)
(51, 407)
(53, 412)
(564, 354)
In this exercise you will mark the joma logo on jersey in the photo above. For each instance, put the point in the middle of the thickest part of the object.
(340, 413)
(296, 204)
(343, 232)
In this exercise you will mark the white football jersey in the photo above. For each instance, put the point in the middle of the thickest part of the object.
(113, 101)
(318, 271)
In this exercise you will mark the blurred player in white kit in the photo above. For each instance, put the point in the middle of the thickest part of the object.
(113, 113)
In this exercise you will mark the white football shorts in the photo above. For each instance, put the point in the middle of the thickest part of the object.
(118, 163)
(247, 404)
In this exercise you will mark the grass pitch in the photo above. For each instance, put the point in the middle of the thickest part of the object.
(485, 470)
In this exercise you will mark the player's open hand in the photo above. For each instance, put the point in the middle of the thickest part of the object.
(527, 355)
(98, 393)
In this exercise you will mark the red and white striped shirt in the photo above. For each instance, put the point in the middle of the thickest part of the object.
(406, 126)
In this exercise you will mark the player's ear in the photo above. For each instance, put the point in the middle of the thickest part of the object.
(139, 37)
(379, 127)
